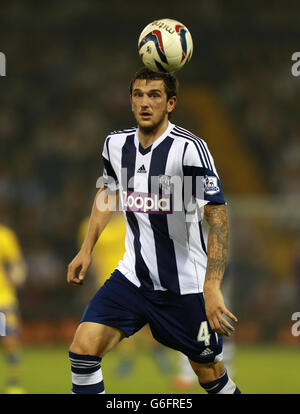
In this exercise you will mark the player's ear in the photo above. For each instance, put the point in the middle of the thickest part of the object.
(171, 104)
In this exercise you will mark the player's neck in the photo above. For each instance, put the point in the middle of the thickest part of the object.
(147, 138)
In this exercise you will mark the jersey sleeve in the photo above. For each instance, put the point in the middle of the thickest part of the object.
(109, 176)
(205, 183)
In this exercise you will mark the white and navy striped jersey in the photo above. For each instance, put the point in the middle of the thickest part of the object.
(165, 243)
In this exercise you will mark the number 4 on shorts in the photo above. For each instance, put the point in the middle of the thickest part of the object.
(203, 334)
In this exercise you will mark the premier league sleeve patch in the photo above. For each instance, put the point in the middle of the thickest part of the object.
(211, 185)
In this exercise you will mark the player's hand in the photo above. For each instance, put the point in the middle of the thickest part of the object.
(216, 310)
(78, 267)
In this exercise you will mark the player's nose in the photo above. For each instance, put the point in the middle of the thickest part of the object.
(144, 101)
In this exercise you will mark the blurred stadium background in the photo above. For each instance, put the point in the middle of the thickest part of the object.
(68, 69)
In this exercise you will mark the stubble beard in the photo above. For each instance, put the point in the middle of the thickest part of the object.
(151, 129)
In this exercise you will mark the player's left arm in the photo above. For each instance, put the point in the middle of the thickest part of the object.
(217, 252)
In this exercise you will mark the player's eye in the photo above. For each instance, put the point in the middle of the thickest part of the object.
(137, 94)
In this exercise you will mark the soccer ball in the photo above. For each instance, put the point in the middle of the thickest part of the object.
(165, 45)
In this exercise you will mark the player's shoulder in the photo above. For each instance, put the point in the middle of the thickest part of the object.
(122, 132)
(184, 135)
(115, 139)
(6, 231)
(7, 236)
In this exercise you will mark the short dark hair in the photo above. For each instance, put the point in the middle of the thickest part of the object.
(170, 81)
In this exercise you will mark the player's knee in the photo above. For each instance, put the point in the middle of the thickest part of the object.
(208, 372)
(82, 344)
(78, 348)
(95, 339)
(214, 378)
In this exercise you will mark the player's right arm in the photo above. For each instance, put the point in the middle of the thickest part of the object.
(99, 218)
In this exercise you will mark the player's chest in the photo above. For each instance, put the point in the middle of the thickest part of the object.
(153, 168)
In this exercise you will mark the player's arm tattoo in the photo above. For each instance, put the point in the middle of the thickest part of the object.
(217, 243)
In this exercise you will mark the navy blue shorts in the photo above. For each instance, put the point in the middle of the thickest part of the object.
(179, 322)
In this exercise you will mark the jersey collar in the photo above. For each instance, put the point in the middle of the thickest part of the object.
(155, 143)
